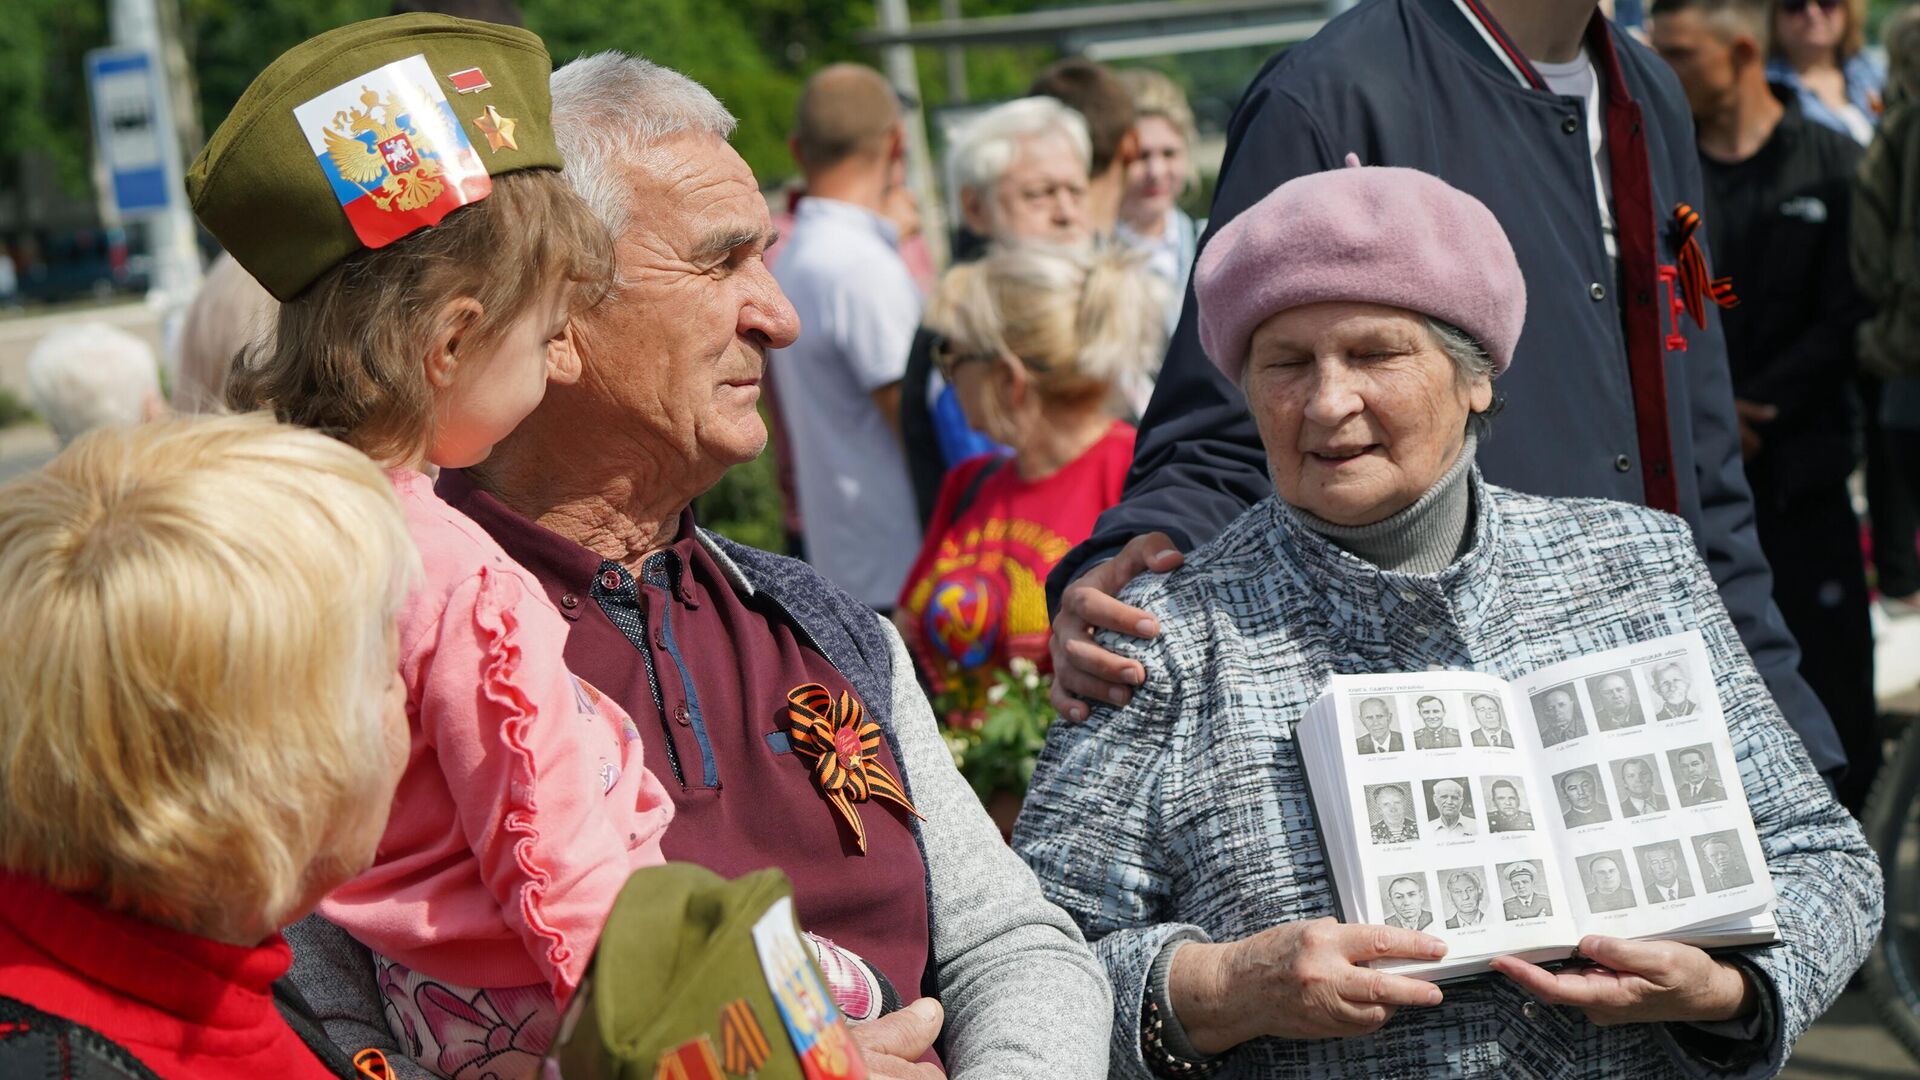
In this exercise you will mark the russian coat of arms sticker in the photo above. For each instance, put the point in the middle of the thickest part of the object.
(396, 155)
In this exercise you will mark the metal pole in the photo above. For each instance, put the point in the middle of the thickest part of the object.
(898, 63)
(176, 257)
(956, 58)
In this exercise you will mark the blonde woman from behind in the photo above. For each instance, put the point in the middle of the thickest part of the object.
(1039, 342)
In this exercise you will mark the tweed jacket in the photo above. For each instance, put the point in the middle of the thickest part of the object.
(1024, 998)
(1185, 815)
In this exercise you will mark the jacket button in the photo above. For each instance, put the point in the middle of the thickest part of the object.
(1570, 125)
(569, 601)
(1530, 1010)
(681, 716)
(1623, 463)
(1597, 291)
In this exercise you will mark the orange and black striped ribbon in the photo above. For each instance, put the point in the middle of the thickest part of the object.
(842, 745)
(371, 1064)
(743, 1046)
(1696, 285)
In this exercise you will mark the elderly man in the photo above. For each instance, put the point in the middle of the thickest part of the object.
(1607, 885)
(1466, 893)
(732, 661)
(1584, 807)
(840, 383)
(1492, 720)
(1614, 706)
(1449, 801)
(1020, 171)
(92, 375)
(1376, 716)
(1408, 895)
(1559, 717)
(1666, 877)
(1433, 733)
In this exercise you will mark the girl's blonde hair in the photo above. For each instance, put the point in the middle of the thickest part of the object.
(1082, 321)
(198, 616)
(346, 353)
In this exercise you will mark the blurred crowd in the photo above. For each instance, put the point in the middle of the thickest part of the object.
(1706, 281)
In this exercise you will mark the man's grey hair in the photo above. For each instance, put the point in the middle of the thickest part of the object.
(608, 108)
(91, 375)
(982, 150)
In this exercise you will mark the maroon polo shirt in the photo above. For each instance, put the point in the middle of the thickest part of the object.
(704, 675)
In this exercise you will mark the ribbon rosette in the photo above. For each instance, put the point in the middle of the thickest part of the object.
(841, 743)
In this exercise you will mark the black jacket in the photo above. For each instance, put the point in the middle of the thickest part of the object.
(1410, 83)
(1779, 225)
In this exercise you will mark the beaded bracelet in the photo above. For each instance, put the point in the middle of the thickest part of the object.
(1160, 1060)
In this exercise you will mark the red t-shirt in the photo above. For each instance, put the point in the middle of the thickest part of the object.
(977, 594)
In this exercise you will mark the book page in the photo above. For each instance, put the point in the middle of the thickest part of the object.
(1642, 790)
(1447, 818)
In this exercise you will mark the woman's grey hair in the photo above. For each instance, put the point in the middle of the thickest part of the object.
(91, 375)
(981, 150)
(1470, 361)
(608, 108)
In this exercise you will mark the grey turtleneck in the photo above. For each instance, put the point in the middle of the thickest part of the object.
(1426, 537)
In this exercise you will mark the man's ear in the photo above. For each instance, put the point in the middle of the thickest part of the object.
(973, 210)
(563, 356)
(1129, 148)
(452, 326)
(1747, 50)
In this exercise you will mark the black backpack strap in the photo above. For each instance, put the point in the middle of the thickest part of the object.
(36, 1045)
(299, 1016)
(972, 490)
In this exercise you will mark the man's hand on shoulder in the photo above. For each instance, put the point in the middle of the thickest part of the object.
(891, 1046)
(1081, 668)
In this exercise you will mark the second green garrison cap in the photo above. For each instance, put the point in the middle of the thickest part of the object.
(366, 133)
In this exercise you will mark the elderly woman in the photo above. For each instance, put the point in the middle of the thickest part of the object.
(200, 734)
(1365, 313)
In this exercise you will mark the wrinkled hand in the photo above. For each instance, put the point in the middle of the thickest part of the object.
(891, 1045)
(1298, 980)
(1751, 415)
(1639, 982)
(1082, 669)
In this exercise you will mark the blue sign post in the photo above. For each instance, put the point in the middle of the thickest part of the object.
(131, 131)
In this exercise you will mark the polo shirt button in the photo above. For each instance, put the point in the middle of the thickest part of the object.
(1623, 463)
(610, 580)
(681, 716)
(1570, 125)
(1597, 291)
(569, 601)
(1530, 1010)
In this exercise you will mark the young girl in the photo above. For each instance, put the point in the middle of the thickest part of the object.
(421, 322)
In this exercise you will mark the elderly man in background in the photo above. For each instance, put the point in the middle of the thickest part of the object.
(734, 662)
(1099, 96)
(840, 384)
(93, 375)
(228, 315)
(1020, 173)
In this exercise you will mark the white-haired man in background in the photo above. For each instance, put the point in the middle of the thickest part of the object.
(1019, 171)
(92, 375)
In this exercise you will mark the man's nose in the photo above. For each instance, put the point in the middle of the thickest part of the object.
(767, 314)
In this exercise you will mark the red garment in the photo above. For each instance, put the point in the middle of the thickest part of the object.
(184, 1006)
(977, 594)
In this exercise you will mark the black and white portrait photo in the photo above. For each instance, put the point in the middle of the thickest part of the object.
(1523, 887)
(1557, 713)
(1663, 872)
(1582, 802)
(1722, 864)
(1607, 885)
(1379, 731)
(1405, 897)
(1637, 780)
(1507, 807)
(1450, 809)
(1463, 893)
(1672, 690)
(1433, 729)
(1696, 777)
(1615, 705)
(1489, 721)
(1390, 813)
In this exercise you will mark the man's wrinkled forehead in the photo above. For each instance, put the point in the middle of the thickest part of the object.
(695, 191)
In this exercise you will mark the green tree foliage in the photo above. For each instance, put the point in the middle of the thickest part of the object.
(43, 97)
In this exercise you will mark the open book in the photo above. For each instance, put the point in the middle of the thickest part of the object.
(1595, 796)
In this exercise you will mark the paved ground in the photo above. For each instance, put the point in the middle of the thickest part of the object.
(1847, 1044)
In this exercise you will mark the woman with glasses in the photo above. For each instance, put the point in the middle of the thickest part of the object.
(1035, 341)
(1817, 52)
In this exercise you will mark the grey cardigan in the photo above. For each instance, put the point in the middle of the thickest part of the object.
(1023, 995)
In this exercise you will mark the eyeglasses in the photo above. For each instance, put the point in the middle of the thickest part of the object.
(946, 357)
(1795, 7)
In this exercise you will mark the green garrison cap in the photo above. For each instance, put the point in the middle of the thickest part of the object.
(696, 977)
(364, 134)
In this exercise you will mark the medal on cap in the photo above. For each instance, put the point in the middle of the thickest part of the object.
(469, 81)
(391, 147)
(498, 129)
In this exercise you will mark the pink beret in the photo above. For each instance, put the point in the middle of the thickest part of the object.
(1377, 235)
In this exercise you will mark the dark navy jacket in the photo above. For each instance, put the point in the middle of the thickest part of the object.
(1410, 83)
